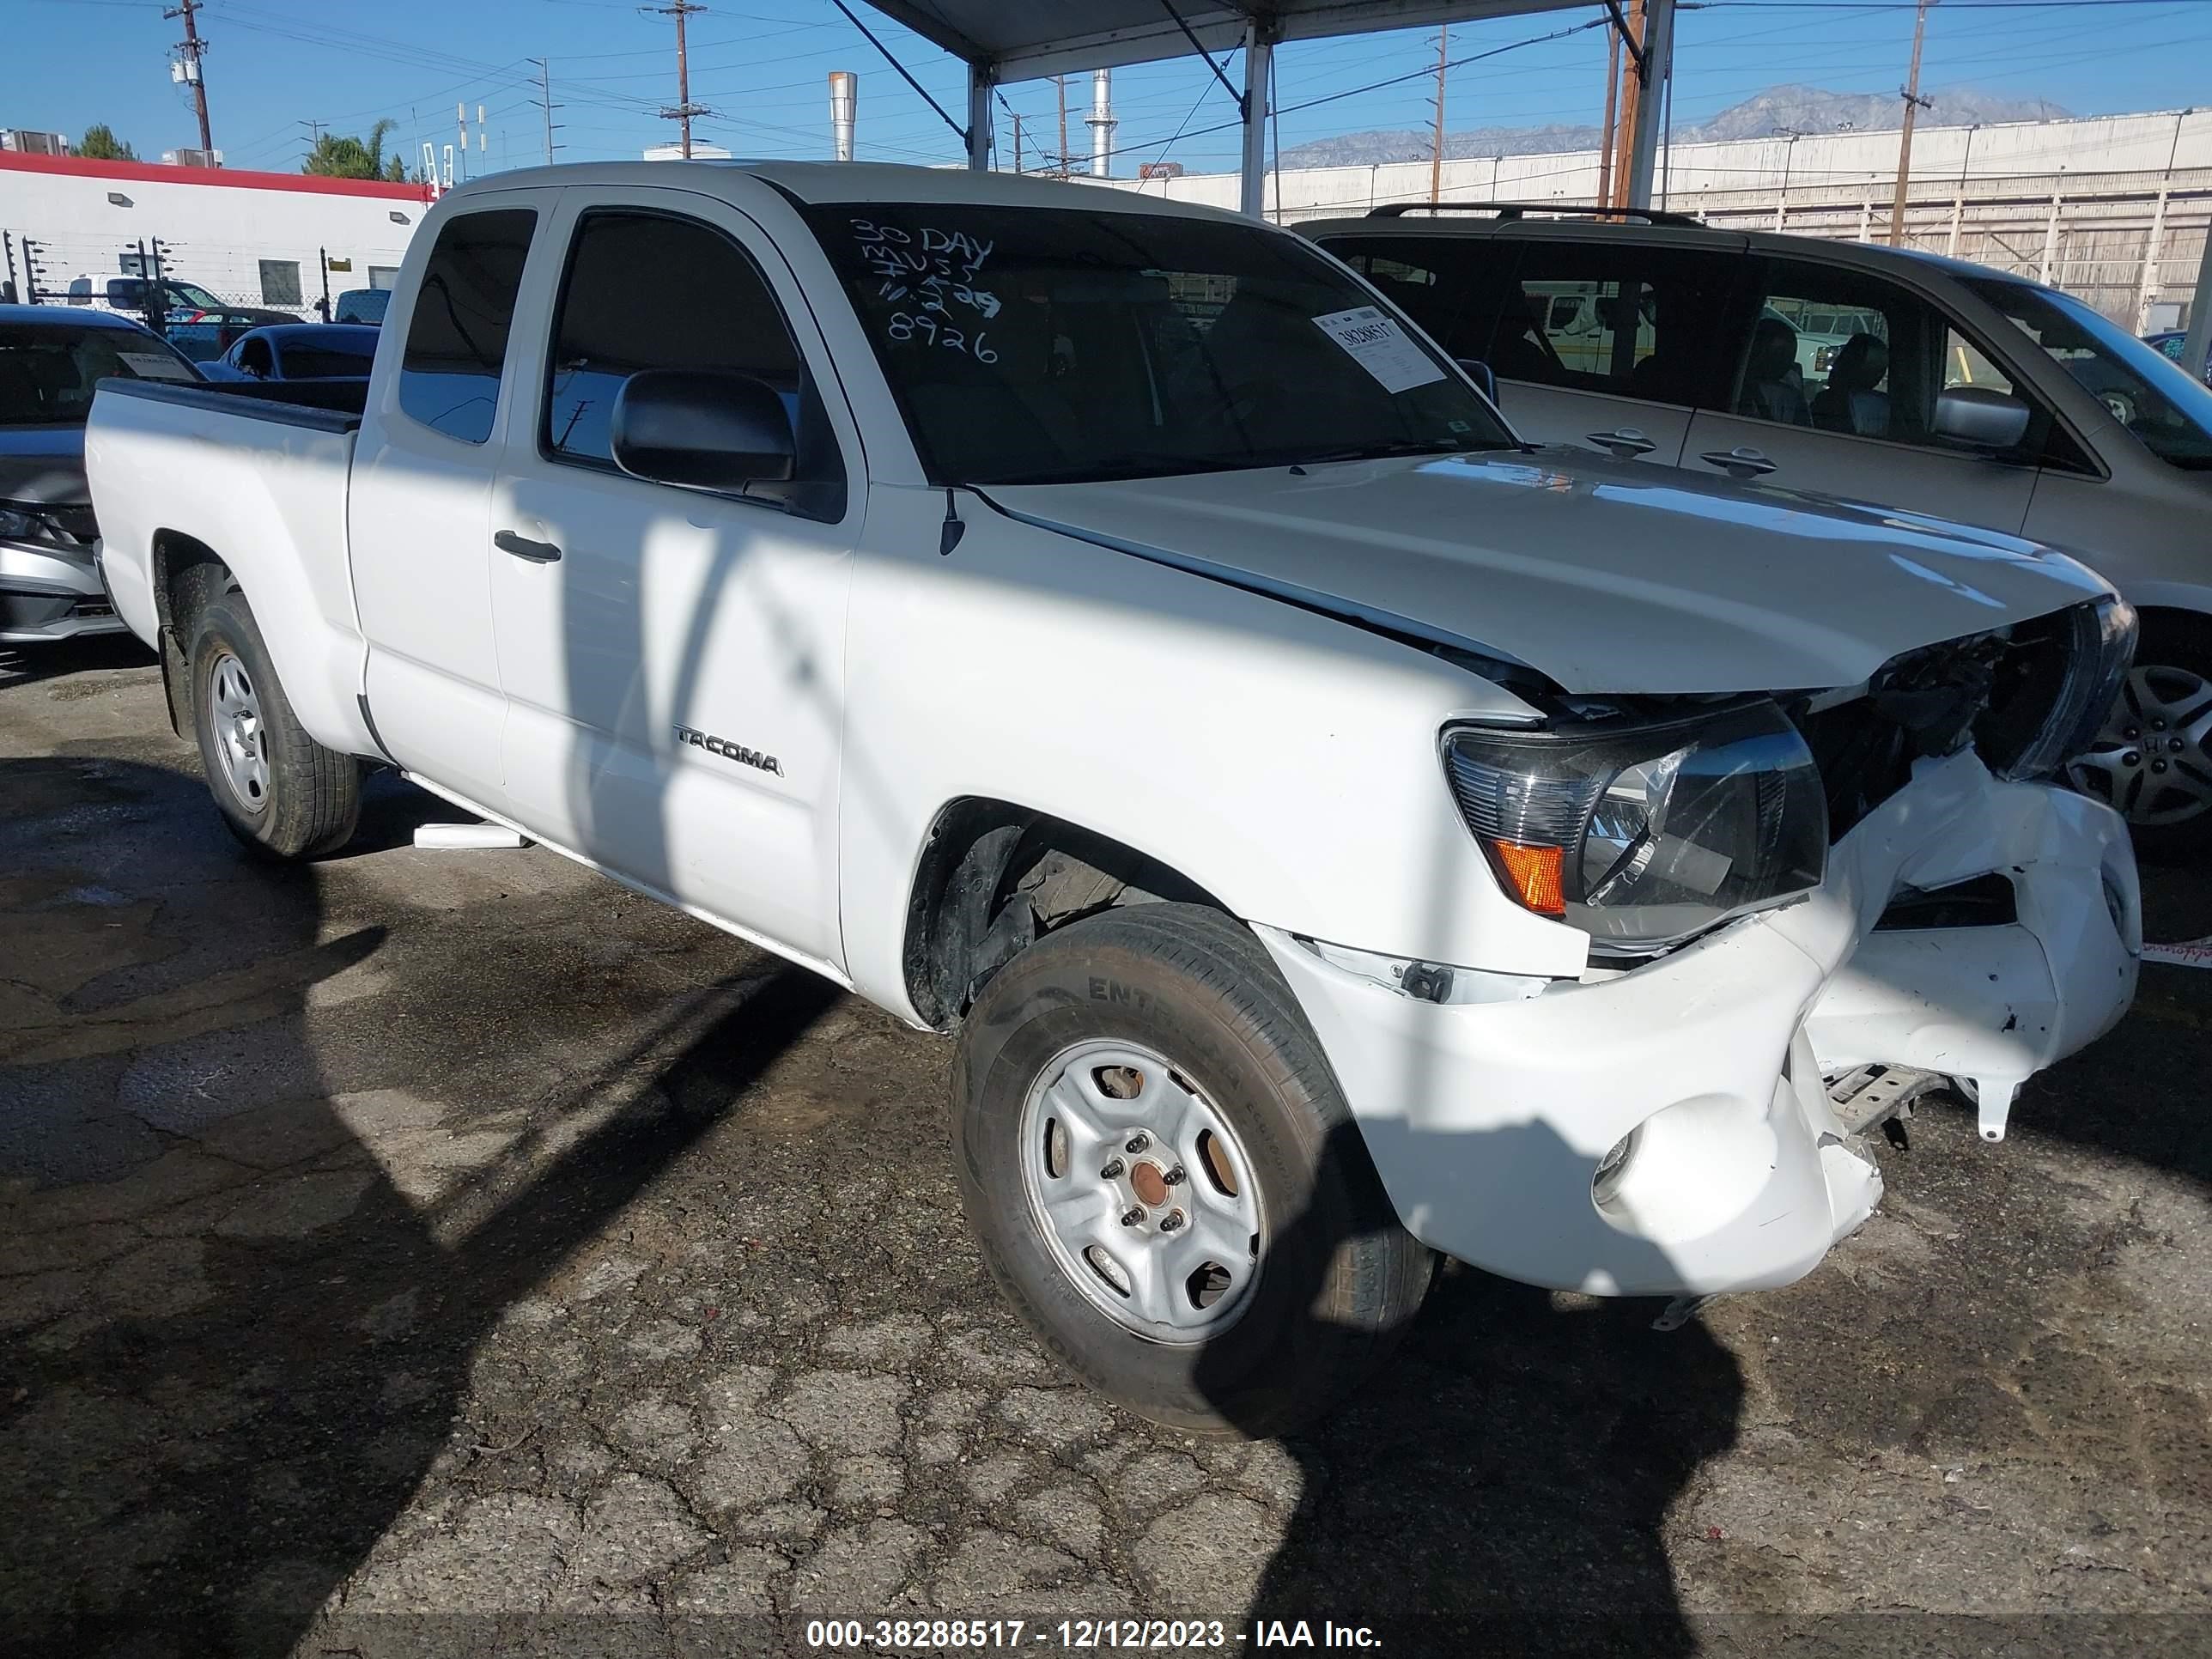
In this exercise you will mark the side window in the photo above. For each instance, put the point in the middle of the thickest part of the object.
(1628, 319)
(457, 337)
(645, 290)
(1841, 351)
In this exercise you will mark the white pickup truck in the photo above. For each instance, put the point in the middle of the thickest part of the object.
(1106, 631)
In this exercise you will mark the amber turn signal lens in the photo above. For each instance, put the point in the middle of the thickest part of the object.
(1535, 873)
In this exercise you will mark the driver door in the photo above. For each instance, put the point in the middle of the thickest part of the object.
(672, 657)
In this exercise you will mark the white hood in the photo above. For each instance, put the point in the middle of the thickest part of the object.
(1608, 577)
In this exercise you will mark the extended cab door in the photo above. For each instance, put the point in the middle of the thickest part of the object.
(1831, 385)
(672, 657)
(419, 501)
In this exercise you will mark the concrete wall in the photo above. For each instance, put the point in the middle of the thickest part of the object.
(219, 225)
(2119, 143)
(2116, 208)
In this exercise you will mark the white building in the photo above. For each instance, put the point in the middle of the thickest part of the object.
(259, 239)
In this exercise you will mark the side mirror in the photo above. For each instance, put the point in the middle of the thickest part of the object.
(1980, 416)
(711, 428)
(1478, 372)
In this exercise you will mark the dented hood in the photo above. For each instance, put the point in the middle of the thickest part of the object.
(1606, 576)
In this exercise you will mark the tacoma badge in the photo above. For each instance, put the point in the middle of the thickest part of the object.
(728, 750)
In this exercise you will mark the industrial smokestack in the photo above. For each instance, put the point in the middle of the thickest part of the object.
(844, 104)
(1101, 122)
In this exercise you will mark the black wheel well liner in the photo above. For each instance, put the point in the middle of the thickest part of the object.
(994, 877)
(174, 557)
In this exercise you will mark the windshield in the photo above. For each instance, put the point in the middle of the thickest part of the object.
(47, 371)
(2148, 394)
(1033, 345)
(193, 294)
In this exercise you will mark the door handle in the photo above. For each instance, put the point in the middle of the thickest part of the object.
(1624, 444)
(523, 548)
(1738, 463)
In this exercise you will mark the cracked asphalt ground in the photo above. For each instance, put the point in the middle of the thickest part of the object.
(448, 1253)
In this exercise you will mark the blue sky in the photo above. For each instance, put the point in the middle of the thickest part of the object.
(275, 65)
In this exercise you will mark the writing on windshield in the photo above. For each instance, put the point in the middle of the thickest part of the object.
(1049, 344)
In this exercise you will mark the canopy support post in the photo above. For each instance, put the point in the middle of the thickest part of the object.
(979, 82)
(1655, 67)
(1259, 77)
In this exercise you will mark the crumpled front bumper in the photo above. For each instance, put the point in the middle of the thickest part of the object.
(49, 593)
(1488, 1120)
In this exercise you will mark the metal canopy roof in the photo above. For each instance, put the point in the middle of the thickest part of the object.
(1016, 41)
(1002, 40)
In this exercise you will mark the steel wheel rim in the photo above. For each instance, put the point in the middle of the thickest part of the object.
(1104, 1173)
(2151, 760)
(242, 740)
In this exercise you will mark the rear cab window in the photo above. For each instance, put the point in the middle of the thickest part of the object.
(457, 335)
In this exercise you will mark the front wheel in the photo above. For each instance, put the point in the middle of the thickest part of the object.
(1166, 1180)
(2153, 760)
(280, 792)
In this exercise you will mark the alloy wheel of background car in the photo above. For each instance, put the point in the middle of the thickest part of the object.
(1143, 1189)
(2150, 762)
(241, 740)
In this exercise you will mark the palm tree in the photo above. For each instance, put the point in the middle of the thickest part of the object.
(341, 156)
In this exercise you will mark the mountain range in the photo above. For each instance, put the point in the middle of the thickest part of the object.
(1798, 109)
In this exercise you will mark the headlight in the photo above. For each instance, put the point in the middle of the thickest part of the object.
(2062, 677)
(1646, 836)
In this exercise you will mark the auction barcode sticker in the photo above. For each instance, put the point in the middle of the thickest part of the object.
(1381, 347)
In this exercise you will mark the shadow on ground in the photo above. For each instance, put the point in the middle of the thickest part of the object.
(271, 1340)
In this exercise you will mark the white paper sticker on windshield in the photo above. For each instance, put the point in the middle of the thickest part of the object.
(1380, 347)
(153, 366)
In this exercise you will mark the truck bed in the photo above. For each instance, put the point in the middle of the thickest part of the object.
(255, 475)
(333, 405)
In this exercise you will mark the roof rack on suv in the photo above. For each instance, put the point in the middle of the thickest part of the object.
(1522, 209)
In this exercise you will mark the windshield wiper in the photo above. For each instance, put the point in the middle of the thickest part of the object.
(1130, 464)
(1377, 451)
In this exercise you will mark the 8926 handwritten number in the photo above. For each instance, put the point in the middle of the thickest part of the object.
(906, 325)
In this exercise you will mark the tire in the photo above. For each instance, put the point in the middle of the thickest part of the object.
(280, 793)
(1336, 1279)
(2164, 792)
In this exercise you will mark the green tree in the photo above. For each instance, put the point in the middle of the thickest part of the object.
(100, 144)
(337, 155)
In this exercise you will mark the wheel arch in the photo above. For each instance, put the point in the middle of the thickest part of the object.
(186, 572)
(994, 877)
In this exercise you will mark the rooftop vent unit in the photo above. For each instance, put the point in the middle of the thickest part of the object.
(192, 158)
(33, 143)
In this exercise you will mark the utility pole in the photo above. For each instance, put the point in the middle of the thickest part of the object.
(193, 49)
(545, 102)
(1914, 103)
(1611, 100)
(1018, 141)
(314, 135)
(684, 109)
(1631, 90)
(1059, 88)
(1437, 144)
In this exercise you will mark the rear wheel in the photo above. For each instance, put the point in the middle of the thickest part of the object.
(2153, 761)
(280, 791)
(1166, 1180)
